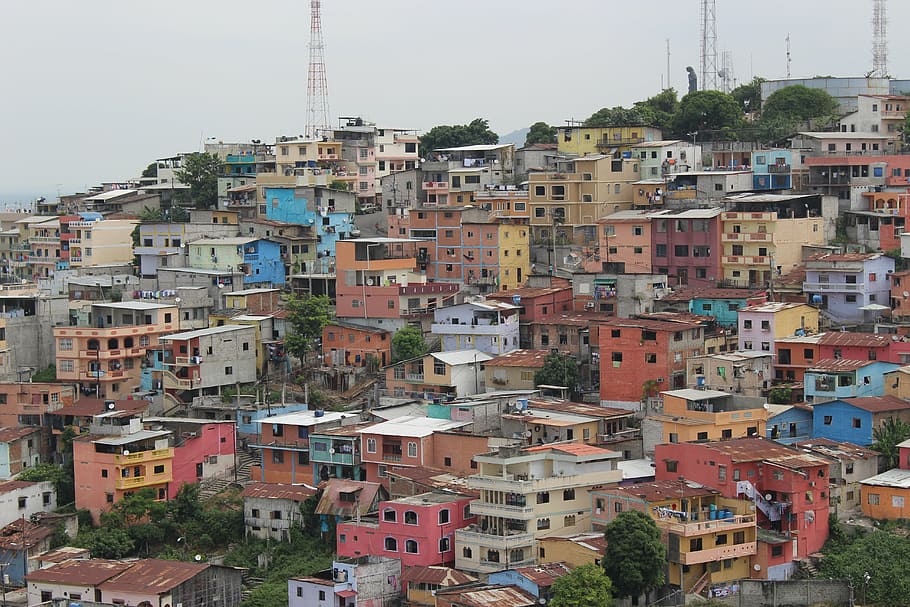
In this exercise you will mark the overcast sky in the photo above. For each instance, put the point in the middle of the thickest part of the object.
(95, 90)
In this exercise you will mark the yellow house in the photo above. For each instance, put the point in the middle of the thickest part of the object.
(514, 254)
(576, 550)
(710, 539)
(456, 373)
(584, 140)
(897, 383)
(755, 244)
(760, 325)
(515, 370)
(580, 192)
(702, 415)
(421, 582)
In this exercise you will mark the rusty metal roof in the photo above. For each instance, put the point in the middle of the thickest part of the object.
(848, 338)
(154, 576)
(657, 491)
(762, 449)
(578, 408)
(825, 446)
(490, 596)
(80, 572)
(367, 496)
(875, 404)
(839, 364)
(520, 358)
(435, 574)
(297, 493)
(544, 575)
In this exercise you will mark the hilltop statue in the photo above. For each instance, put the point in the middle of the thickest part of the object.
(693, 79)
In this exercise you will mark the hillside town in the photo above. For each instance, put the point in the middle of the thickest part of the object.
(658, 356)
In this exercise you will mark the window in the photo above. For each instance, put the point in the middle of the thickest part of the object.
(827, 420)
(543, 498)
(660, 250)
(466, 552)
(410, 517)
(229, 370)
(444, 516)
(857, 422)
(159, 469)
(651, 358)
(391, 544)
(568, 495)
(681, 250)
(21, 502)
(104, 473)
(568, 520)
(722, 474)
(672, 465)
(702, 436)
(439, 367)
(777, 550)
(444, 544)
(410, 546)
(720, 539)
(873, 499)
(543, 523)
(371, 445)
(277, 457)
(65, 343)
(747, 324)
(412, 449)
(617, 506)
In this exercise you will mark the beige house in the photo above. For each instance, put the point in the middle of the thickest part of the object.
(748, 373)
(515, 370)
(528, 494)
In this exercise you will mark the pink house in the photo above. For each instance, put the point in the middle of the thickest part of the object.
(624, 243)
(419, 530)
(203, 449)
(405, 441)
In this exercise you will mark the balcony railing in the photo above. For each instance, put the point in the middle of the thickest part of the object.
(741, 521)
(518, 539)
(144, 456)
(834, 286)
(745, 260)
(133, 482)
(717, 554)
(414, 377)
(779, 168)
(479, 507)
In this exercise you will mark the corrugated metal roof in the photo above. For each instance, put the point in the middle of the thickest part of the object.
(154, 576)
(297, 493)
(435, 574)
(368, 495)
(544, 575)
(848, 338)
(491, 596)
(520, 358)
(839, 364)
(892, 478)
(874, 404)
(79, 572)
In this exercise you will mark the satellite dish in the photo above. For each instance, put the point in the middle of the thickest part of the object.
(369, 282)
(528, 433)
(757, 567)
(331, 451)
(905, 294)
(220, 285)
(126, 452)
(768, 496)
(177, 300)
(197, 558)
(109, 405)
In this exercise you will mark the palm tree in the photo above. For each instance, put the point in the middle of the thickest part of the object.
(887, 437)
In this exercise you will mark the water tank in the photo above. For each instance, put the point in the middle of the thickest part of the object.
(319, 412)
(516, 299)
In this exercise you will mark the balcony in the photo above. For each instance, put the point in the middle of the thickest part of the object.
(479, 507)
(607, 142)
(143, 456)
(742, 521)
(465, 329)
(440, 186)
(834, 287)
(746, 260)
(519, 539)
(44, 239)
(391, 457)
(417, 378)
(510, 484)
(745, 236)
(302, 444)
(779, 168)
(173, 382)
(135, 482)
(717, 554)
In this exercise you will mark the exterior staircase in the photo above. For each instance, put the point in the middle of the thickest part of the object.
(702, 583)
(748, 489)
(213, 486)
(244, 460)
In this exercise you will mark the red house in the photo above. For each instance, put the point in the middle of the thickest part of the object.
(636, 351)
(855, 346)
(203, 449)
(419, 530)
(789, 486)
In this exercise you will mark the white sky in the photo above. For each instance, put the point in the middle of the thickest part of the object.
(94, 90)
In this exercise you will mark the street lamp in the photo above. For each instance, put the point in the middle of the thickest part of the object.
(866, 578)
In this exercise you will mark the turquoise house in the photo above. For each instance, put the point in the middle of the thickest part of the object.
(837, 378)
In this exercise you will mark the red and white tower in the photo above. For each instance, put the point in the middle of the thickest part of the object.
(317, 95)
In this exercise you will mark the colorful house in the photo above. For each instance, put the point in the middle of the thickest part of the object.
(349, 344)
(838, 378)
(527, 494)
(515, 370)
(258, 259)
(635, 352)
(423, 582)
(700, 415)
(419, 530)
(795, 355)
(850, 465)
(853, 420)
(886, 495)
(686, 246)
(847, 285)
(439, 374)
(789, 424)
(361, 582)
(536, 581)
(696, 536)
(271, 509)
(789, 487)
(761, 324)
(771, 169)
(490, 327)
(335, 453)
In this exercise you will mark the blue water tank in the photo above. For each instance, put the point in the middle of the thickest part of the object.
(516, 299)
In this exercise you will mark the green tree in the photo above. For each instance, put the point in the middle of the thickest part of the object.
(151, 170)
(408, 343)
(541, 132)
(108, 543)
(881, 554)
(748, 95)
(200, 172)
(60, 476)
(615, 116)
(636, 557)
(475, 132)
(45, 375)
(659, 110)
(712, 114)
(887, 437)
(781, 395)
(798, 103)
(585, 586)
(558, 370)
(307, 314)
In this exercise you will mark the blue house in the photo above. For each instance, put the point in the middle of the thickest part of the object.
(834, 378)
(772, 169)
(722, 304)
(852, 420)
(535, 580)
(248, 414)
(789, 423)
(262, 259)
(331, 219)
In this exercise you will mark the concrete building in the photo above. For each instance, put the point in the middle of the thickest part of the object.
(360, 582)
(747, 373)
(438, 374)
(845, 285)
(515, 370)
(586, 141)
(349, 344)
(878, 114)
(527, 494)
(103, 351)
(25, 499)
(686, 246)
(850, 465)
(760, 325)
(661, 158)
(258, 260)
(21, 448)
(164, 244)
(837, 378)
(206, 361)
(490, 327)
(271, 509)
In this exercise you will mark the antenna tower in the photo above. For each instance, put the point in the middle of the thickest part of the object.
(317, 94)
(708, 46)
(879, 39)
(727, 79)
(788, 55)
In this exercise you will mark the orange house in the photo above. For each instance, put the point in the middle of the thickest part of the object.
(351, 345)
(104, 354)
(624, 243)
(29, 403)
(794, 356)
(886, 495)
(119, 458)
